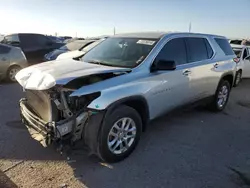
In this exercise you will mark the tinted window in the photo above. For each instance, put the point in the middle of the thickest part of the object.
(225, 46)
(33, 41)
(197, 49)
(4, 49)
(174, 50)
(210, 51)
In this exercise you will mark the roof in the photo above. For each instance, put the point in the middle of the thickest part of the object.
(158, 35)
(146, 35)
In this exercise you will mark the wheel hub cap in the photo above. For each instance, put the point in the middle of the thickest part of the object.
(121, 136)
(222, 96)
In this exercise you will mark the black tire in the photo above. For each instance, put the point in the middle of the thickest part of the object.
(214, 106)
(9, 75)
(238, 77)
(118, 113)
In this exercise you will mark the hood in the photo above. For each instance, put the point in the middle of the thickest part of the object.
(54, 54)
(46, 75)
(72, 54)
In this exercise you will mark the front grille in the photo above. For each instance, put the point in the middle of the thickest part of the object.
(41, 105)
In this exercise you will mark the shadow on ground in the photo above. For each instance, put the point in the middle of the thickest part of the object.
(5, 182)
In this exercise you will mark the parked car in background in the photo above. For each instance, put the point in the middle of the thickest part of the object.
(12, 59)
(34, 46)
(80, 52)
(243, 62)
(56, 39)
(72, 46)
(108, 96)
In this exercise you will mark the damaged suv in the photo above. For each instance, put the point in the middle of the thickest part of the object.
(107, 97)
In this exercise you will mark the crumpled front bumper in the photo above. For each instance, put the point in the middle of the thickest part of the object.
(48, 132)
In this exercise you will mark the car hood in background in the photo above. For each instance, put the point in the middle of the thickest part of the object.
(46, 75)
(54, 54)
(71, 54)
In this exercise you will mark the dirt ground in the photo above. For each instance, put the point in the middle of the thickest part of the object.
(189, 148)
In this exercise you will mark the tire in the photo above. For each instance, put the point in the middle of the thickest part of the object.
(215, 105)
(108, 126)
(238, 78)
(11, 73)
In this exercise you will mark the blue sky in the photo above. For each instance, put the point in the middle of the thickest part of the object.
(98, 17)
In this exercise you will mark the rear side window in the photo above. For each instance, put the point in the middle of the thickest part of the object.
(210, 51)
(197, 49)
(174, 50)
(4, 49)
(225, 46)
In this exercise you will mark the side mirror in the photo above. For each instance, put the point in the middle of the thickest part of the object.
(163, 65)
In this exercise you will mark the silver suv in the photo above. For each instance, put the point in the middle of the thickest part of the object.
(107, 97)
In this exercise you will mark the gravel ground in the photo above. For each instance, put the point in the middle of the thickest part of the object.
(188, 148)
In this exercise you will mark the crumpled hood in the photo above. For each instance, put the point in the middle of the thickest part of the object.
(46, 75)
(72, 54)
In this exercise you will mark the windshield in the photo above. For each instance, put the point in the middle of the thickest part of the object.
(76, 45)
(120, 52)
(237, 52)
(90, 46)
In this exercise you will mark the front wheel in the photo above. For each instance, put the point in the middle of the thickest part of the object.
(11, 73)
(120, 134)
(221, 96)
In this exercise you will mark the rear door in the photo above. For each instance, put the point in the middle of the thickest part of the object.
(4, 59)
(199, 67)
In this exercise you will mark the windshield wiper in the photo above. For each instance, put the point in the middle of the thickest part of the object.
(99, 63)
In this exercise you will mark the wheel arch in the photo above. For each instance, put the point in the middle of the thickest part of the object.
(229, 77)
(139, 103)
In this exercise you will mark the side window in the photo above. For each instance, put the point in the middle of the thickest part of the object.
(42, 40)
(197, 49)
(174, 50)
(4, 49)
(225, 46)
(245, 54)
(210, 51)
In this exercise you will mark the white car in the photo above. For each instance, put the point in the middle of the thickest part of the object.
(243, 62)
(78, 53)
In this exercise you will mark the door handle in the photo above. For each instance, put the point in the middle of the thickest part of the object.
(186, 72)
(216, 65)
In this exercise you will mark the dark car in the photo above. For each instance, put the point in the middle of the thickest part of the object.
(34, 46)
(75, 45)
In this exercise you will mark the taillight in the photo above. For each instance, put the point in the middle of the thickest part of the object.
(236, 60)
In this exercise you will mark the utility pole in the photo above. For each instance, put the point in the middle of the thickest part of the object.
(190, 27)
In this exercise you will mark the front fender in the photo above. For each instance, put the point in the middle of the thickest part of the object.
(118, 93)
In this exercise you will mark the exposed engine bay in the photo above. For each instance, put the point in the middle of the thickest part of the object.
(53, 115)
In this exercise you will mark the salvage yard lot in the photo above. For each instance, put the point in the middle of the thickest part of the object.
(188, 148)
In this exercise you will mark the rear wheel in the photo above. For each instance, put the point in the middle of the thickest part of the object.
(237, 78)
(11, 73)
(221, 96)
(120, 134)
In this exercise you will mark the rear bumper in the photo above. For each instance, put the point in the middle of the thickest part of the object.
(48, 132)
